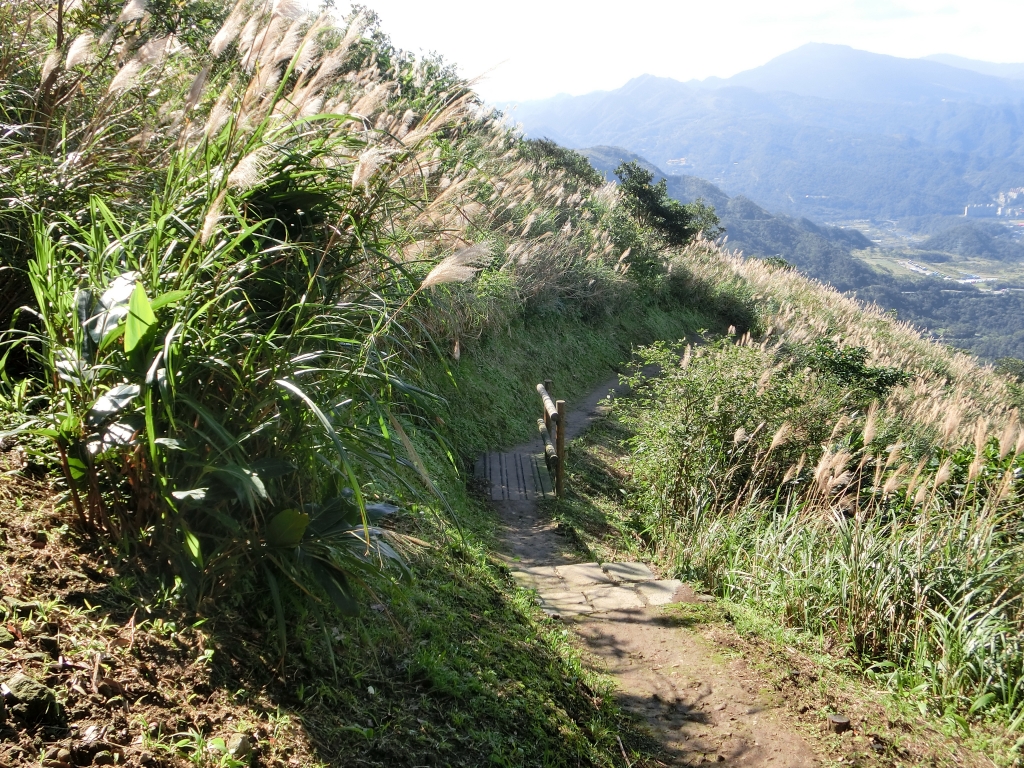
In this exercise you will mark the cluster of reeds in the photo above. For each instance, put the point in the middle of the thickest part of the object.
(240, 238)
(888, 521)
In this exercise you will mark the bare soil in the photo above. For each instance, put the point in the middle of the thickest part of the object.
(700, 707)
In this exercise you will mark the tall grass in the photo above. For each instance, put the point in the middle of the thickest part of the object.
(239, 230)
(782, 479)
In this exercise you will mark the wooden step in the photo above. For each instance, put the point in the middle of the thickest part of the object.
(515, 476)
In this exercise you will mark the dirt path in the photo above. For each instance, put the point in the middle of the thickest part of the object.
(699, 705)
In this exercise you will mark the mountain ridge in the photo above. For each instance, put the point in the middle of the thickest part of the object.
(825, 158)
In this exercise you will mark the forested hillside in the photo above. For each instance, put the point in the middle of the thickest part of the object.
(989, 324)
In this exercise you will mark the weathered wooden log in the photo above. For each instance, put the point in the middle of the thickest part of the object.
(550, 410)
(550, 454)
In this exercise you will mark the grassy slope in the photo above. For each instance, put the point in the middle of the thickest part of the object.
(457, 667)
(813, 674)
(491, 392)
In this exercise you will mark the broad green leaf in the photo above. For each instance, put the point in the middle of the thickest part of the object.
(194, 550)
(166, 299)
(287, 528)
(78, 468)
(140, 319)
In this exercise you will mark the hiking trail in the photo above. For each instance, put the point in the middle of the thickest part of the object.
(701, 706)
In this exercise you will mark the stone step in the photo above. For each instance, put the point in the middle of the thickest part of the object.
(584, 588)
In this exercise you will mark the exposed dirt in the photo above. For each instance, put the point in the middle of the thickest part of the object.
(699, 706)
(125, 683)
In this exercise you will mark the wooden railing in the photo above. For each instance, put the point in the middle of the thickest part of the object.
(553, 423)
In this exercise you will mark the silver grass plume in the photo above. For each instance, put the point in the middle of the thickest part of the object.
(82, 51)
(248, 35)
(369, 162)
(459, 267)
(288, 9)
(135, 9)
(126, 77)
(229, 30)
(289, 43)
(196, 90)
(108, 36)
(249, 170)
(212, 217)
(51, 63)
(154, 51)
(220, 113)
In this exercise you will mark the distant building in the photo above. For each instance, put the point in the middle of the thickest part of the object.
(989, 211)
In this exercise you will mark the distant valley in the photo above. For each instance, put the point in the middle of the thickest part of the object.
(857, 168)
(965, 285)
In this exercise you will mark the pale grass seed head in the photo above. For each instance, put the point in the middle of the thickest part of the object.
(126, 77)
(229, 30)
(212, 217)
(1008, 438)
(82, 51)
(195, 91)
(133, 10)
(781, 435)
(460, 267)
(288, 9)
(249, 171)
(369, 163)
(871, 423)
(892, 482)
(51, 63)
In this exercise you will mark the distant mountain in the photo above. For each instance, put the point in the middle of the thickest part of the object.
(989, 323)
(1010, 71)
(895, 138)
(985, 239)
(844, 73)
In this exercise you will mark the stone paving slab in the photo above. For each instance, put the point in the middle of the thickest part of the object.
(629, 571)
(613, 598)
(565, 603)
(539, 577)
(661, 592)
(584, 574)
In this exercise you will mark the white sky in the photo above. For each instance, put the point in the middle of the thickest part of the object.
(531, 49)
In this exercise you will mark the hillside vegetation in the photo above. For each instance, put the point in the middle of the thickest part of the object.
(271, 283)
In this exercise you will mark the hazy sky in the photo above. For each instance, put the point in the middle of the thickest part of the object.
(529, 49)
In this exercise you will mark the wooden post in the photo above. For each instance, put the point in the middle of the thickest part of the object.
(560, 449)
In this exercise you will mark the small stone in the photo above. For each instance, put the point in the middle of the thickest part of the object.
(33, 700)
(64, 755)
(20, 607)
(104, 757)
(582, 574)
(629, 571)
(7, 640)
(839, 723)
(610, 598)
(238, 746)
(661, 592)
